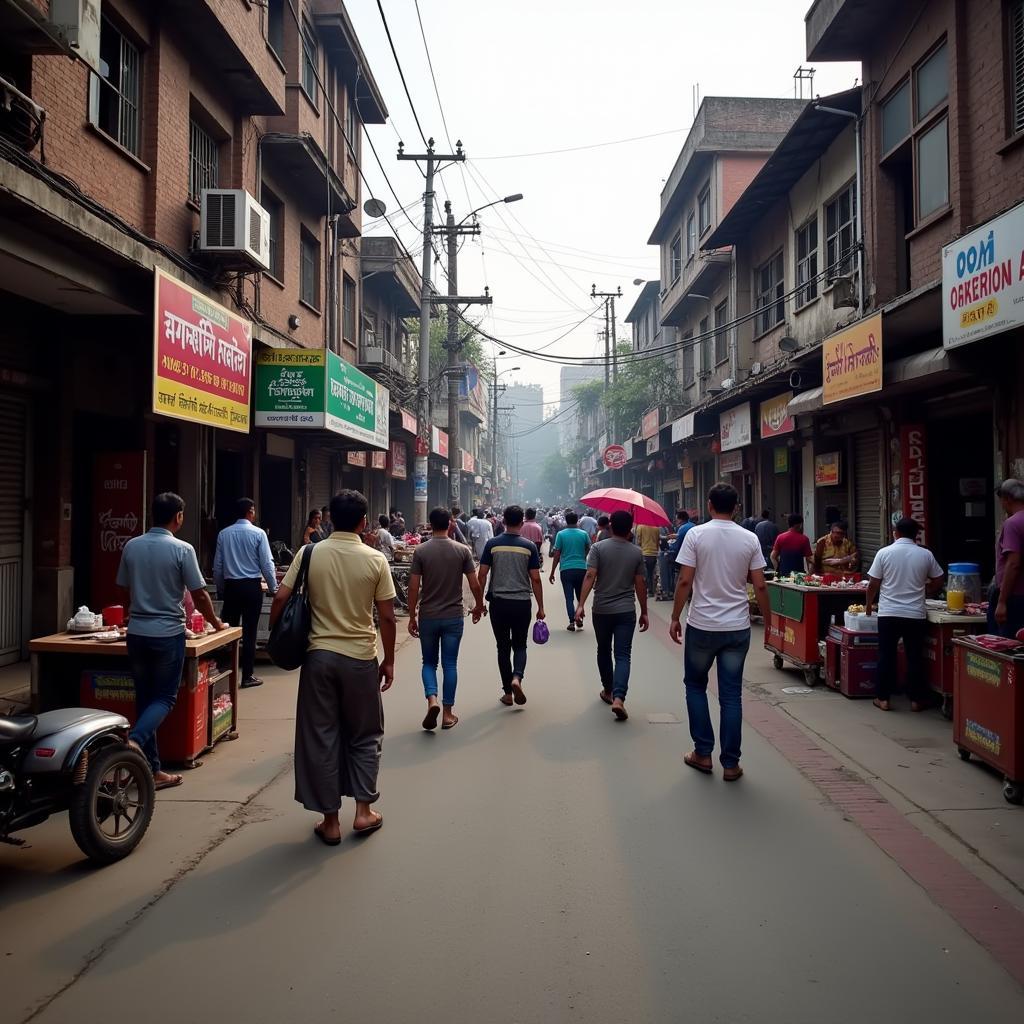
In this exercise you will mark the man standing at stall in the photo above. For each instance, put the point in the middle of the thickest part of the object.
(835, 552)
(240, 565)
(156, 569)
(1006, 596)
(792, 550)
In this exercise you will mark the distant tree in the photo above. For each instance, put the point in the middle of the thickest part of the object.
(554, 475)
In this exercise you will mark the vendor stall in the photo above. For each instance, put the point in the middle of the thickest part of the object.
(943, 629)
(800, 618)
(988, 705)
(76, 670)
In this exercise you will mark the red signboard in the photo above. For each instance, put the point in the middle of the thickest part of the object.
(397, 458)
(775, 417)
(408, 421)
(914, 467)
(468, 462)
(378, 460)
(650, 423)
(118, 514)
(356, 458)
(439, 442)
(614, 456)
(202, 358)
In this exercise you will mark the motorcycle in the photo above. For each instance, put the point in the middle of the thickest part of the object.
(75, 760)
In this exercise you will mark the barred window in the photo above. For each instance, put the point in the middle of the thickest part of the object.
(770, 288)
(348, 296)
(309, 270)
(203, 160)
(841, 232)
(310, 62)
(114, 93)
(807, 262)
(721, 332)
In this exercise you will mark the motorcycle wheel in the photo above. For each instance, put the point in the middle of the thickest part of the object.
(111, 811)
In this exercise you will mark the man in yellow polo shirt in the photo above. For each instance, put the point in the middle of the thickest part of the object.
(649, 539)
(339, 723)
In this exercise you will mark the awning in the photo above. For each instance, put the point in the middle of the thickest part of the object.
(805, 402)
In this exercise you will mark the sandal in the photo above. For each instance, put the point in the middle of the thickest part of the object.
(517, 693)
(430, 721)
(506, 699)
(704, 769)
(451, 725)
(318, 831)
(882, 705)
(605, 696)
(732, 774)
(369, 829)
(174, 780)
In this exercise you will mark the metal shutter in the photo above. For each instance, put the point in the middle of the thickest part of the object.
(867, 494)
(319, 478)
(12, 525)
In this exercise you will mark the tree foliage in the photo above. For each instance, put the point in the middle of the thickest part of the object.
(554, 475)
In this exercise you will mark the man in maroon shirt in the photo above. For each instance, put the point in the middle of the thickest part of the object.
(792, 550)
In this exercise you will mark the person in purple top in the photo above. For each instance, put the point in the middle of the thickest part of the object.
(1006, 595)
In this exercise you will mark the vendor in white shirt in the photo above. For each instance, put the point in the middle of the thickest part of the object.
(900, 579)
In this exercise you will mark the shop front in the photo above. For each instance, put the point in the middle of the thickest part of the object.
(735, 456)
(437, 464)
(779, 459)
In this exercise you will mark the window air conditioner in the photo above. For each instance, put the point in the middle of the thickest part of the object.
(235, 228)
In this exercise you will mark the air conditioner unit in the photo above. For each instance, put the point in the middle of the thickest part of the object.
(377, 355)
(235, 228)
(77, 22)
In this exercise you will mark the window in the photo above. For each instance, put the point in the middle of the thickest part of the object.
(688, 359)
(351, 121)
(309, 270)
(388, 335)
(704, 208)
(840, 232)
(348, 321)
(275, 210)
(203, 160)
(933, 169)
(1016, 64)
(721, 333)
(310, 62)
(691, 237)
(675, 258)
(705, 348)
(932, 87)
(807, 263)
(275, 25)
(770, 287)
(896, 117)
(114, 93)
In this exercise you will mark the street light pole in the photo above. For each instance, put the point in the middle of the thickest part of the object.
(611, 358)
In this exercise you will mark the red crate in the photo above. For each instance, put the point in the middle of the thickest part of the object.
(857, 669)
(852, 638)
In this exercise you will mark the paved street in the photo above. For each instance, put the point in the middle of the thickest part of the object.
(542, 864)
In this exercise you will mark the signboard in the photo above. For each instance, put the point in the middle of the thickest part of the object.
(628, 446)
(290, 386)
(851, 361)
(355, 458)
(775, 417)
(408, 421)
(781, 460)
(650, 424)
(468, 462)
(682, 428)
(734, 427)
(687, 477)
(472, 389)
(731, 462)
(378, 460)
(398, 459)
(914, 470)
(202, 358)
(983, 281)
(439, 442)
(118, 514)
(357, 406)
(614, 456)
(826, 470)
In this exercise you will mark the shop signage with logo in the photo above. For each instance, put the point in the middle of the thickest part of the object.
(628, 446)
(781, 459)
(826, 470)
(355, 458)
(118, 514)
(357, 406)
(983, 281)
(687, 476)
(397, 456)
(408, 421)
(851, 361)
(468, 462)
(438, 442)
(614, 456)
(473, 391)
(775, 417)
(650, 423)
(731, 462)
(202, 358)
(734, 427)
(682, 428)
(914, 471)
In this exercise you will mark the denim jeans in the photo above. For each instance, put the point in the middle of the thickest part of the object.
(441, 636)
(572, 587)
(156, 664)
(614, 630)
(510, 623)
(701, 649)
(667, 569)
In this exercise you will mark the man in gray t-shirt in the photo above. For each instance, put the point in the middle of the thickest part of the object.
(615, 573)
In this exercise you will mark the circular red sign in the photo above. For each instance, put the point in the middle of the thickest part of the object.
(614, 456)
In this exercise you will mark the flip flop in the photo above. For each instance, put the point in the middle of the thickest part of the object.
(605, 696)
(732, 774)
(517, 693)
(451, 725)
(620, 713)
(506, 699)
(878, 704)
(318, 832)
(430, 721)
(174, 780)
(369, 828)
(692, 762)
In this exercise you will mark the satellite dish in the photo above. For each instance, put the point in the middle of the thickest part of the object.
(374, 208)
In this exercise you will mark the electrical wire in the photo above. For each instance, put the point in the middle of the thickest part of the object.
(577, 149)
(401, 73)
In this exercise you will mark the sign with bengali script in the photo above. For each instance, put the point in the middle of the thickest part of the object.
(650, 423)
(356, 458)
(851, 361)
(775, 417)
(439, 442)
(118, 514)
(914, 472)
(202, 358)
(468, 462)
(290, 388)
(731, 462)
(357, 406)
(826, 470)
(734, 427)
(378, 460)
(398, 459)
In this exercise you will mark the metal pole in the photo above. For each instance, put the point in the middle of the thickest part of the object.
(607, 351)
(861, 289)
(494, 436)
(452, 345)
(615, 354)
(423, 410)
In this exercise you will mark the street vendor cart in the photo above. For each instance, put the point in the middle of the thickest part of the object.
(77, 670)
(800, 618)
(988, 710)
(943, 629)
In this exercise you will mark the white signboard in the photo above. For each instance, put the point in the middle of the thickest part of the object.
(682, 428)
(983, 281)
(732, 462)
(734, 427)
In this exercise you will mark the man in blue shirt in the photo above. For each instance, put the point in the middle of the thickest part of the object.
(686, 523)
(243, 556)
(570, 549)
(156, 569)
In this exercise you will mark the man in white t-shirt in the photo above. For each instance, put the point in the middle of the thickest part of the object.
(588, 524)
(716, 561)
(479, 531)
(901, 578)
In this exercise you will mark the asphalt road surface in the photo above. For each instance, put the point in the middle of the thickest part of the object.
(545, 864)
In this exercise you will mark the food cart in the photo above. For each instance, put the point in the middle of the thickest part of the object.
(988, 710)
(78, 670)
(943, 629)
(800, 617)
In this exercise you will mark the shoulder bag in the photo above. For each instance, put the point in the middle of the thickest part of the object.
(290, 636)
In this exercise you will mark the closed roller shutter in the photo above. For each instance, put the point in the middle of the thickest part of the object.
(868, 529)
(12, 526)
(319, 478)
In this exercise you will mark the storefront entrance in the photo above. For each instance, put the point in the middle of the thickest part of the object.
(13, 439)
(276, 498)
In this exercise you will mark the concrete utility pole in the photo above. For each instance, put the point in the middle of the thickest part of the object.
(611, 358)
(433, 160)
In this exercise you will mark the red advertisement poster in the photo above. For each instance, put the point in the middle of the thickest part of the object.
(117, 515)
(202, 358)
(398, 460)
(378, 460)
(914, 467)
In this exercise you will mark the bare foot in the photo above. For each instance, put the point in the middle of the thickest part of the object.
(882, 705)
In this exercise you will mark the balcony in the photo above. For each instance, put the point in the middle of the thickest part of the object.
(698, 280)
(390, 273)
(842, 29)
(375, 357)
(299, 160)
(21, 120)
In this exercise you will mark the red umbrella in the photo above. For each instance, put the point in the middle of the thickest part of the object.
(646, 511)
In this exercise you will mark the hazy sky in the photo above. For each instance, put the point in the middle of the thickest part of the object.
(529, 77)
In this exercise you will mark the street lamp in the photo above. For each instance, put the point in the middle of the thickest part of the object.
(497, 202)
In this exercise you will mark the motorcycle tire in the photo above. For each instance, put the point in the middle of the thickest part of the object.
(118, 792)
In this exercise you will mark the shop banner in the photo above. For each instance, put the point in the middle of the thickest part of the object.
(399, 461)
(439, 442)
(731, 462)
(118, 514)
(682, 428)
(650, 423)
(653, 445)
(202, 358)
(851, 361)
(473, 390)
(734, 427)
(378, 460)
(628, 446)
(775, 418)
(290, 387)
(408, 421)
(983, 281)
(781, 459)
(826, 470)
(355, 458)
(614, 456)
(468, 462)
(687, 477)
(357, 406)
(914, 470)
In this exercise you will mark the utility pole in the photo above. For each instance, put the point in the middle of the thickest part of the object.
(433, 160)
(611, 359)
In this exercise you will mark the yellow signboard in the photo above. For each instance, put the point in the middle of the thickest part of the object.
(851, 361)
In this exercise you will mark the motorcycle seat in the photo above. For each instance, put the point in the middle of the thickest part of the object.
(17, 728)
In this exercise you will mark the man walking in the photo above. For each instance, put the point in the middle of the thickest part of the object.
(588, 524)
(569, 549)
(648, 538)
(899, 581)
(791, 551)
(533, 533)
(1006, 595)
(717, 561)
(339, 723)
(479, 532)
(241, 563)
(514, 565)
(616, 573)
(767, 533)
(157, 569)
(438, 569)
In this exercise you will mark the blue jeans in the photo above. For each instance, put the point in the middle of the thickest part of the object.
(441, 636)
(616, 629)
(156, 664)
(701, 648)
(572, 587)
(667, 567)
